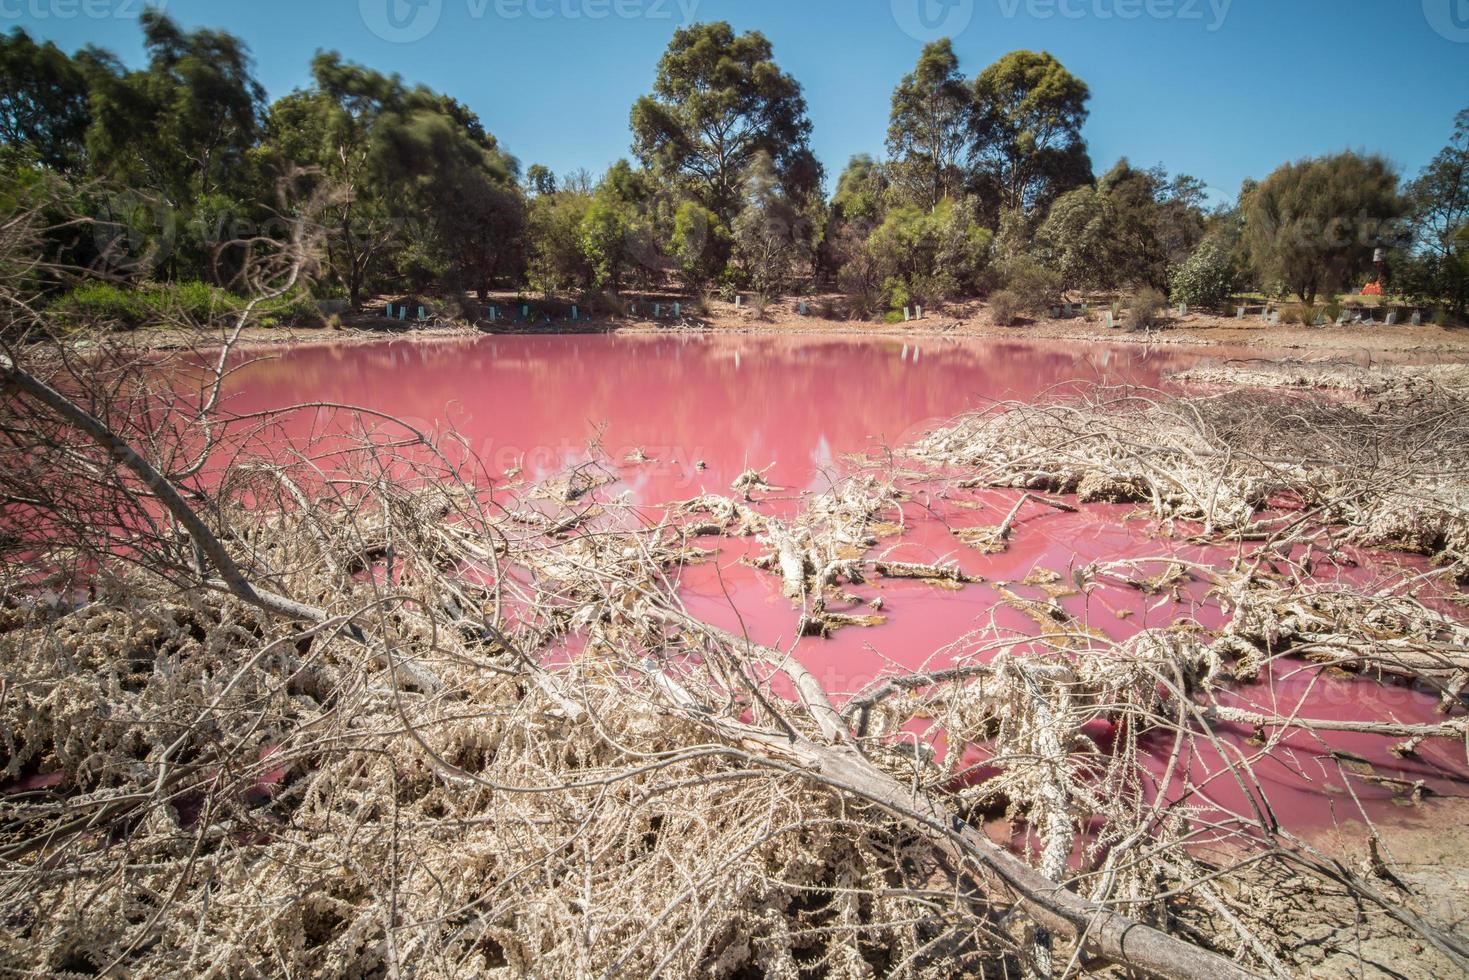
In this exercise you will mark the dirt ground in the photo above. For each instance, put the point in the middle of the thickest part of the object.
(970, 320)
(1426, 849)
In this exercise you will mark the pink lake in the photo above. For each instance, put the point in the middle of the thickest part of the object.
(706, 408)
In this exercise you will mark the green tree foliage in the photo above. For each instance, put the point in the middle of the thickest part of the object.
(928, 127)
(860, 192)
(1312, 226)
(1026, 144)
(1207, 277)
(929, 256)
(540, 180)
(1078, 240)
(556, 260)
(604, 233)
(43, 102)
(700, 244)
(1438, 203)
(720, 101)
(408, 171)
(1132, 228)
(184, 125)
(453, 174)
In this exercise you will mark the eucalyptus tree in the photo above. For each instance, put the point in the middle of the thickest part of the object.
(1026, 145)
(929, 122)
(718, 102)
(184, 125)
(43, 102)
(1439, 208)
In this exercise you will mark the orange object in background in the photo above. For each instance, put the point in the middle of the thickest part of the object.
(1372, 289)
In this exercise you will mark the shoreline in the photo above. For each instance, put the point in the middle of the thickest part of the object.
(1194, 331)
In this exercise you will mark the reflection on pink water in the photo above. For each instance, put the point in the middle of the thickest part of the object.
(730, 402)
(705, 409)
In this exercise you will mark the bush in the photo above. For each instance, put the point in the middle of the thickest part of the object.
(128, 308)
(1206, 278)
(1006, 307)
(1304, 314)
(1035, 286)
(296, 307)
(196, 300)
(897, 292)
(1145, 309)
(102, 303)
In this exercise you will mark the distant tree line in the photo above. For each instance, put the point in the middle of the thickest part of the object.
(986, 188)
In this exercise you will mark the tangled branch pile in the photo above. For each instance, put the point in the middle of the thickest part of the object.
(1242, 465)
(343, 709)
(1356, 379)
(418, 725)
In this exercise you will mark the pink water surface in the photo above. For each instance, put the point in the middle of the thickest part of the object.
(704, 409)
(728, 401)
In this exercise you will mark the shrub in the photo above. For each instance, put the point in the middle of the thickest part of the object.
(897, 292)
(127, 308)
(893, 316)
(196, 300)
(104, 304)
(296, 307)
(1145, 309)
(1006, 307)
(1035, 286)
(1206, 278)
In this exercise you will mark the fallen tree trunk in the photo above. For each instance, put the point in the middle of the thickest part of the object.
(1101, 933)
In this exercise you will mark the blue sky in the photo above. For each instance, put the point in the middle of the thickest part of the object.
(1221, 89)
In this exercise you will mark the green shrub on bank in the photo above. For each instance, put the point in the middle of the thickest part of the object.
(1206, 278)
(102, 302)
(118, 307)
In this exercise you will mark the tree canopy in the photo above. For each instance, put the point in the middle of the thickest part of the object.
(719, 102)
(929, 122)
(1313, 225)
(1026, 130)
